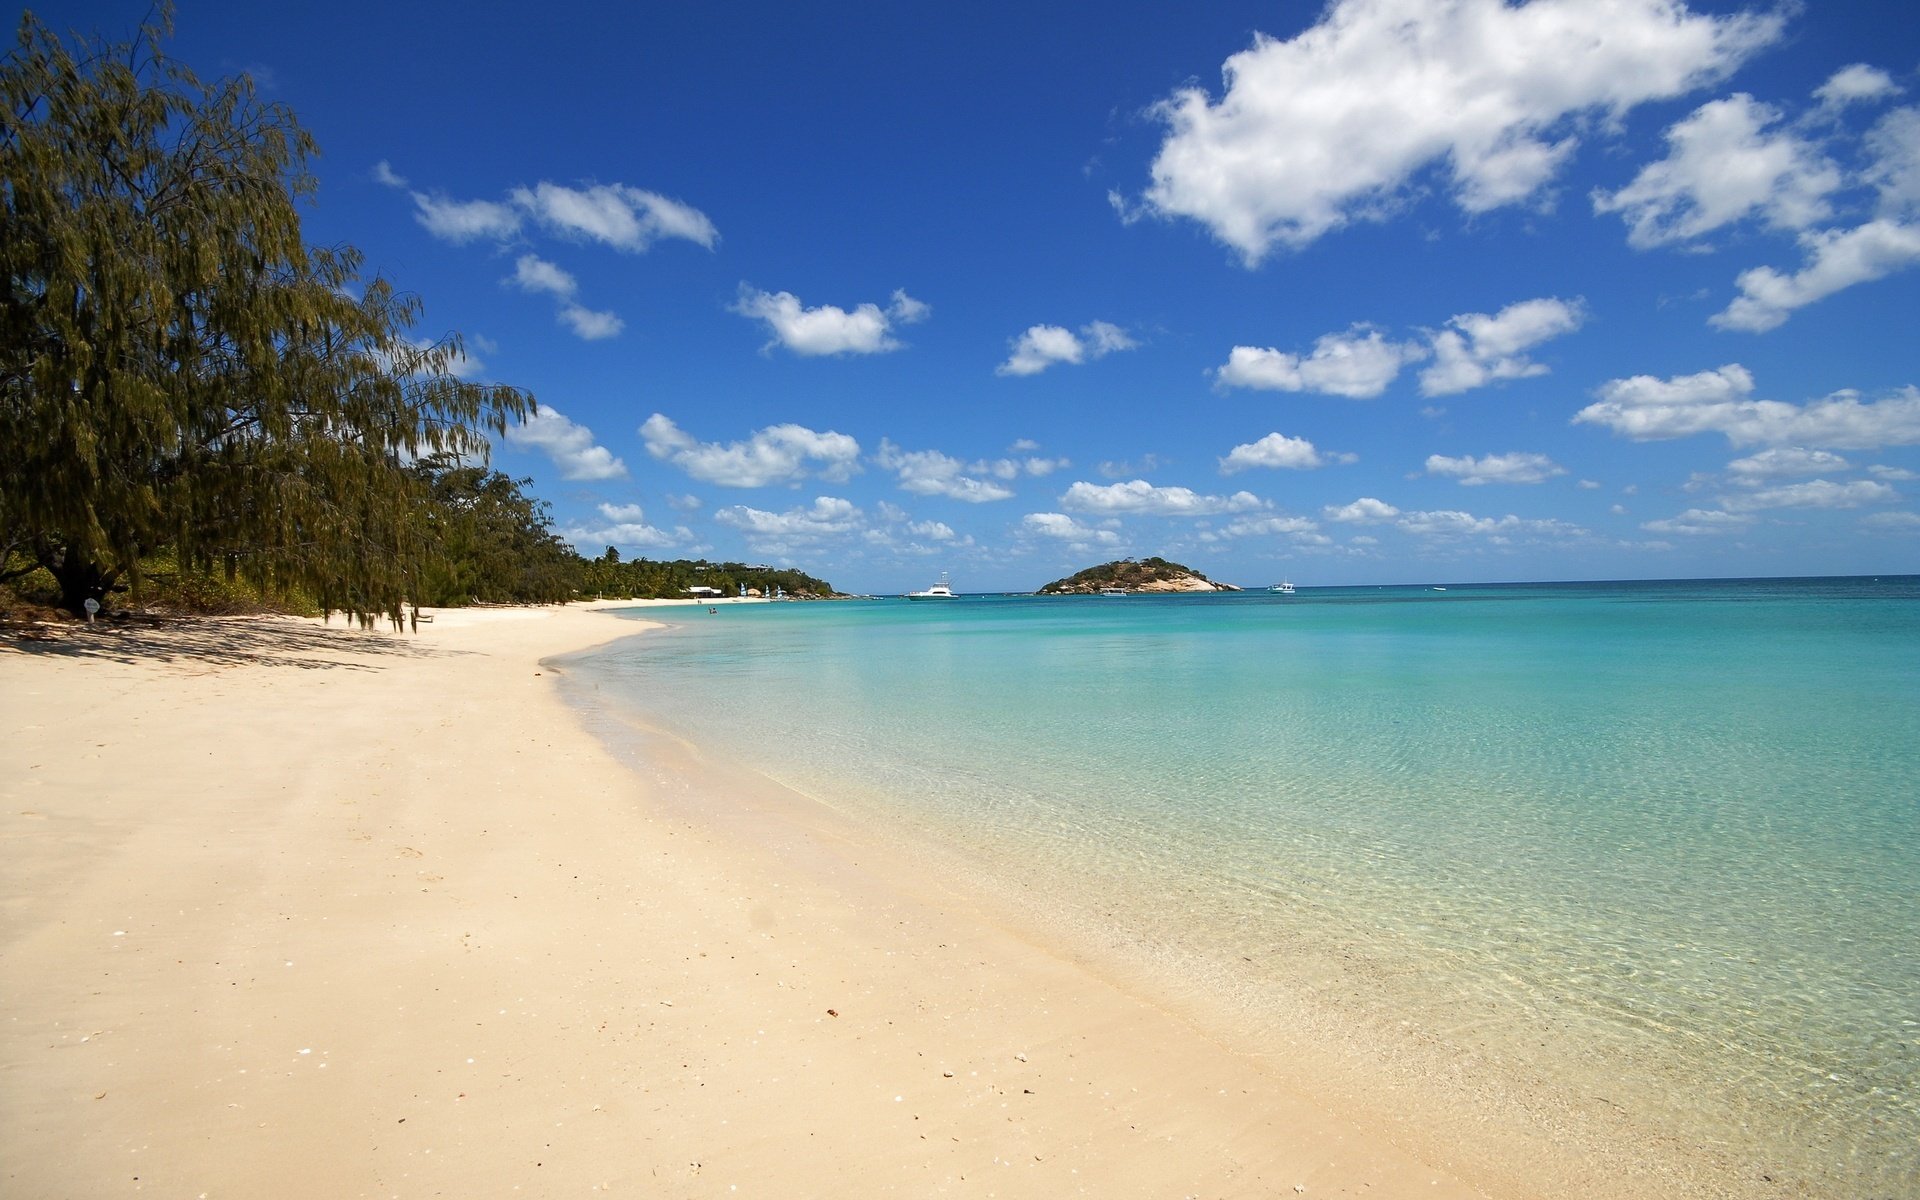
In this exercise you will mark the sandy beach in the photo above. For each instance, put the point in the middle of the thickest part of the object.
(297, 910)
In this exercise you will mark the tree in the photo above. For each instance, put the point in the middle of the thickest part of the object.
(495, 543)
(178, 367)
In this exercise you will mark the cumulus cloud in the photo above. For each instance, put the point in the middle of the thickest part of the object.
(532, 273)
(626, 526)
(1815, 493)
(1836, 259)
(1279, 451)
(1448, 524)
(1476, 349)
(464, 221)
(1855, 84)
(1783, 462)
(1044, 345)
(828, 517)
(1699, 522)
(828, 329)
(1336, 124)
(568, 445)
(931, 473)
(1064, 528)
(1645, 408)
(1495, 468)
(1725, 163)
(613, 214)
(1300, 529)
(774, 455)
(1358, 364)
(1014, 468)
(1894, 172)
(1364, 511)
(1139, 496)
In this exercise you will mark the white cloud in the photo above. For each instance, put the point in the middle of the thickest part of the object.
(1044, 345)
(570, 446)
(1066, 529)
(1452, 523)
(535, 274)
(1279, 451)
(1895, 171)
(934, 531)
(1646, 408)
(1897, 521)
(1139, 496)
(1014, 468)
(1023, 446)
(826, 518)
(1336, 124)
(1880, 471)
(626, 218)
(1724, 164)
(626, 527)
(1364, 511)
(1854, 84)
(1783, 462)
(532, 273)
(1358, 364)
(827, 329)
(1496, 468)
(1477, 349)
(590, 325)
(1699, 522)
(1815, 493)
(931, 473)
(464, 221)
(1836, 259)
(384, 173)
(776, 454)
(1298, 528)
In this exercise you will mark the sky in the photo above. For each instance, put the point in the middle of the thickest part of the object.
(1382, 291)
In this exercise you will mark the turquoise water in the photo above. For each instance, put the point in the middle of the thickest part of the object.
(1665, 833)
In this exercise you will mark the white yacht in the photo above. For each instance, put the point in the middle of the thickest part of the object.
(939, 591)
(1283, 589)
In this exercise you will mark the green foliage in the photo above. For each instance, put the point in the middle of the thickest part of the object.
(494, 544)
(179, 369)
(642, 578)
(1125, 573)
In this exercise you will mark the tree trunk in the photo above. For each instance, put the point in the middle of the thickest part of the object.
(80, 580)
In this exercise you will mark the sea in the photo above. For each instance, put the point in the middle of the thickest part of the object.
(1650, 848)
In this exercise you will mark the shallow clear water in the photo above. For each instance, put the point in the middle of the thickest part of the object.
(1676, 826)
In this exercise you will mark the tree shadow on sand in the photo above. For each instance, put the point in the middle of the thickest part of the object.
(221, 642)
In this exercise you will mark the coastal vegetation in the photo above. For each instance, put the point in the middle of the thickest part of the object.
(181, 374)
(1135, 575)
(201, 411)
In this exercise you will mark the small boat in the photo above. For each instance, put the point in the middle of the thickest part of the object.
(939, 591)
(1113, 591)
(1439, 589)
(1283, 589)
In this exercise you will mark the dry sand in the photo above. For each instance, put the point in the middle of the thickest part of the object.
(291, 910)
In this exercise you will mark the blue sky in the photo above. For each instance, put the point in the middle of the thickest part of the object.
(1390, 290)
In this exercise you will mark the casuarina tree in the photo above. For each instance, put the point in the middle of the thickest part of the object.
(179, 368)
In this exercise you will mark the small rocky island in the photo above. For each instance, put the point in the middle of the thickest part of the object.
(1135, 575)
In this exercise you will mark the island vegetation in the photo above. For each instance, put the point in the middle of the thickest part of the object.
(200, 410)
(1135, 575)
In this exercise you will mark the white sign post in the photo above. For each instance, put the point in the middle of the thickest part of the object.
(92, 606)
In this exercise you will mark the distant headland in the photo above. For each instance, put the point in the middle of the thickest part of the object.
(1135, 575)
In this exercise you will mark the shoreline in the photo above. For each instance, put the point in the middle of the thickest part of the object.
(430, 935)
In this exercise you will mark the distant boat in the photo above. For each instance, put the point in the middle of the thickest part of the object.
(1113, 591)
(1439, 589)
(1283, 588)
(939, 591)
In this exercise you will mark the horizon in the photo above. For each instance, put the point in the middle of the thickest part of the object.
(1329, 294)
